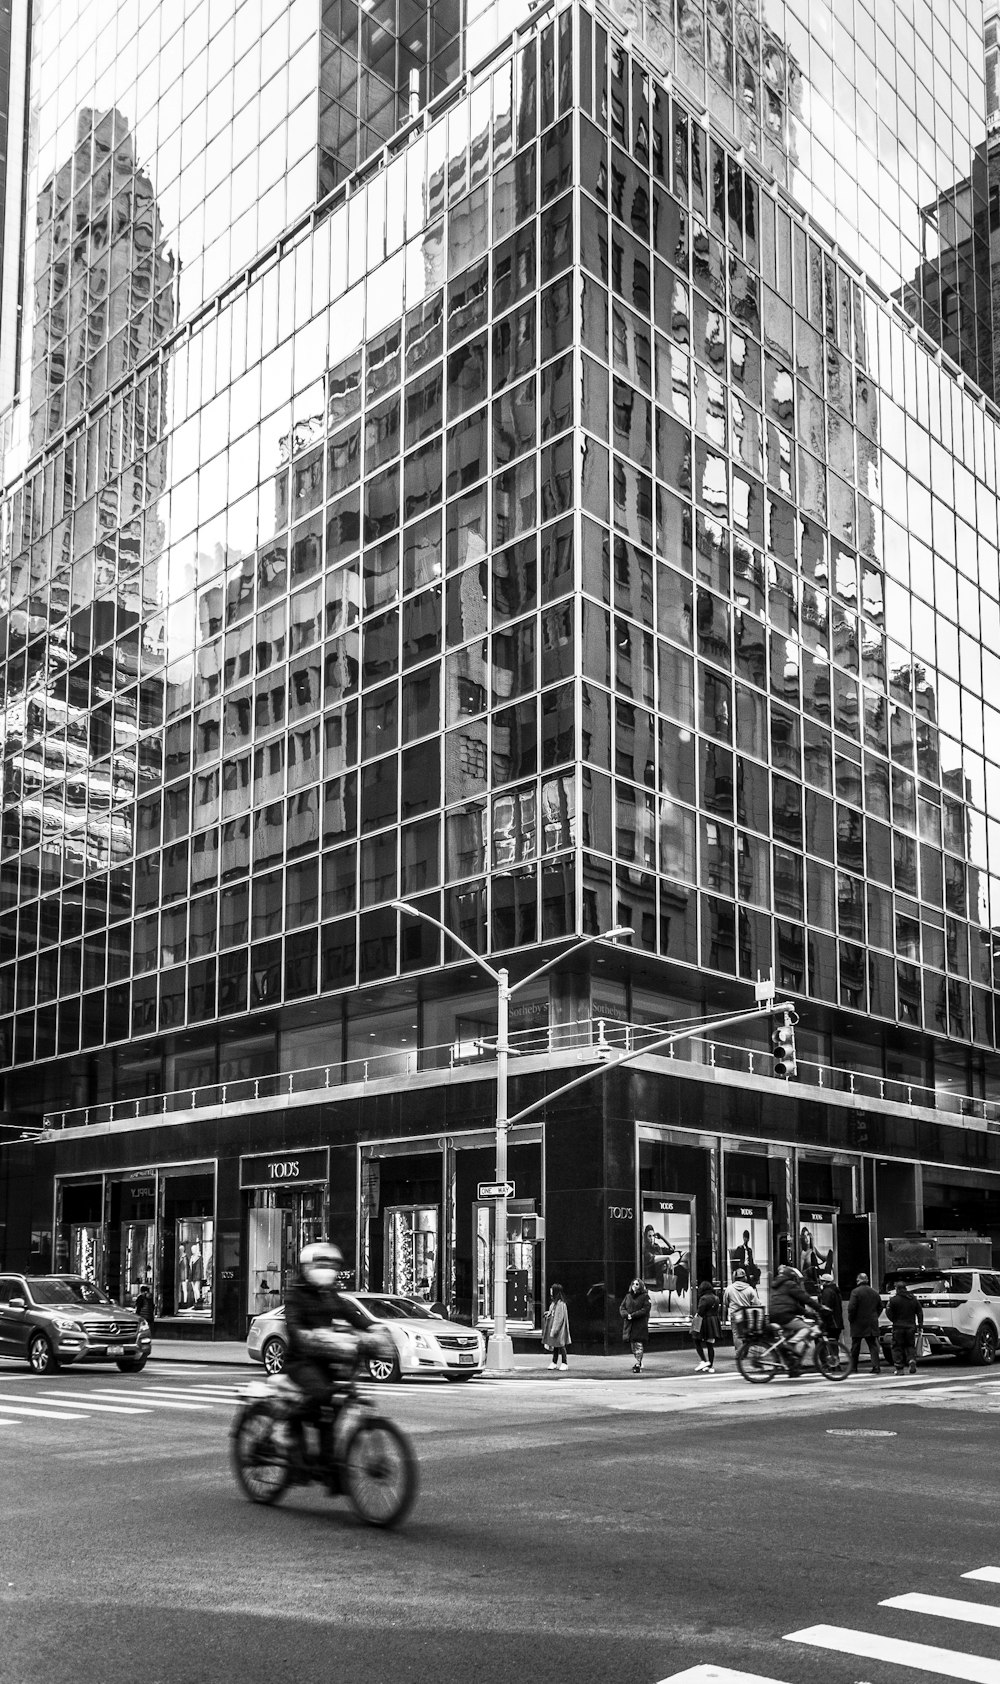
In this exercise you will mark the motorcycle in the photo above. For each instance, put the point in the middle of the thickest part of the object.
(277, 1442)
(764, 1350)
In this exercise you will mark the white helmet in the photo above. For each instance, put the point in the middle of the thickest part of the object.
(321, 1263)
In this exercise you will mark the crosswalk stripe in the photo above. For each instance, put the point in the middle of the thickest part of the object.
(73, 1398)
(160, 1402)
(946, 1607)
(922, 1657)
(985, 1575)
(18, 1409)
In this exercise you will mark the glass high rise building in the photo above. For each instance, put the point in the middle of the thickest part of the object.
(536, 462)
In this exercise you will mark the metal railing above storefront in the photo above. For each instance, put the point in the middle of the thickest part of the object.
(563, 1043)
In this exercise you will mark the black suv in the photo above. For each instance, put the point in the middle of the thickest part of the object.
(54, 1320)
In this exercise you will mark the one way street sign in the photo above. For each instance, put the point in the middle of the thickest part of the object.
(496, 1189)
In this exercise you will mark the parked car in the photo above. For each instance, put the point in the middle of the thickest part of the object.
(425, 1343)
(54, 1320)
(961, 1311)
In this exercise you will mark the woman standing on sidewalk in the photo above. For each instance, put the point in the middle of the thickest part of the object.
(634, 1310)
(555, 1332)
(706, 1327)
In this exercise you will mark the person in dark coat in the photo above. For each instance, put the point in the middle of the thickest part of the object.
(831, 1304)
(863, 1310)
(706, 1328)
(906, 1314)
(144, 1305)
(634, 1310)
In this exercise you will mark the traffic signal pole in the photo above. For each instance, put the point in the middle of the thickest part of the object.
(618, 1059)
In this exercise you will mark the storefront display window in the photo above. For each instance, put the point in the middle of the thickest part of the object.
(187, 1242)
(86, 1250)
(668, 1245)
(817, 1243)
(748, 1245)
(677, 1242)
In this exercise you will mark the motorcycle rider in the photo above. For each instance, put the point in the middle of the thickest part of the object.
(319, 1352)
(792, 1309)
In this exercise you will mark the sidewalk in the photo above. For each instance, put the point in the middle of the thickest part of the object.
(528, 1365)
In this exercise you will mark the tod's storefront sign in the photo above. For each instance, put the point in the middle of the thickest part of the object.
(285, 1169)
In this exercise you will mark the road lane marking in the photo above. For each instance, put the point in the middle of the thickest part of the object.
(104, 1408)
(946, 1607)
(715, 1675)
(18, 1409)
(922, 1657)
(985, 1575)
(158, 1402)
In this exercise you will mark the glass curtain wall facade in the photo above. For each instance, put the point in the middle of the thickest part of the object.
(555, 529)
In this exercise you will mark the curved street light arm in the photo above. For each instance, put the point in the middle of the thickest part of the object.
(567, 952)
(477, 958)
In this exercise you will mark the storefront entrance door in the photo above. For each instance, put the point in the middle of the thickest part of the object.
(138, 1252)
(855, 1251)
(520, 1261)
(280, 1222)
(411, 1251)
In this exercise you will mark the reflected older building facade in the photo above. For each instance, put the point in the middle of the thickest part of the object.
(575, 520)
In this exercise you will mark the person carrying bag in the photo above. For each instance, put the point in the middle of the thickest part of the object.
(634, 1310)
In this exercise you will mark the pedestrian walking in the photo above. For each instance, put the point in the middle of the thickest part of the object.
(863, 1310)
(906, 1314)
(706, 1327)
(831, 1305)
(634, 1310)
(738, 1298)
(555, 1330)
(144, 1304)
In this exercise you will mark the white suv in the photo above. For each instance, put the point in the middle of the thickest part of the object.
(961, 1311)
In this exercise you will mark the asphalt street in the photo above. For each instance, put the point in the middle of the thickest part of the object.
(566, 1528)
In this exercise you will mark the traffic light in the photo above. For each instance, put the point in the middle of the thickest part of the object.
(783, 1043)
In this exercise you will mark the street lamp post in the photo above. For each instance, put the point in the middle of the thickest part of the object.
(500, 1355)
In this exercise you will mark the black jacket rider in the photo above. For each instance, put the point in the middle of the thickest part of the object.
(311, 1310)
(789, 1300)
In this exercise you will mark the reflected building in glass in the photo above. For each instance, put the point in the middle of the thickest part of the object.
(535, 462)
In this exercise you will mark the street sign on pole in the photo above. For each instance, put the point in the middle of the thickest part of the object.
(496, 1190)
